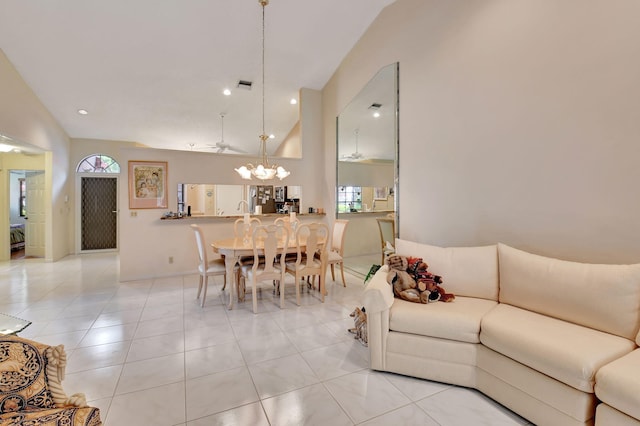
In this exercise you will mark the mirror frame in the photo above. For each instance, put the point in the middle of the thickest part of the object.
(396, 154)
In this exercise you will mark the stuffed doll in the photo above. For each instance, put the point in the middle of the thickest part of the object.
(404, 286)
(411, 281)
(427, 282)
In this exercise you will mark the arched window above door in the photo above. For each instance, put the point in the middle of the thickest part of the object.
(98, 163)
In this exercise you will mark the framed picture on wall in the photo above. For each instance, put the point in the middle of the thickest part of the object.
(380, 192)
(147, 184)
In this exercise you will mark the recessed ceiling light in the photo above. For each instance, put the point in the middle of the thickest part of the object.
(376, 114)
(272, 136)
(226, 92)
(83, 112)
(293, 101)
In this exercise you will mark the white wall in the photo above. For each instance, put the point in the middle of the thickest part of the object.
(518, 122)
(25, 119)
(366, 174)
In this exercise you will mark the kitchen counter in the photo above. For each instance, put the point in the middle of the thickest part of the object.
(240, 216)
(346, 215)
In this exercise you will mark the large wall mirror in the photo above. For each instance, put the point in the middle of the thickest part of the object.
(208, 199)
(367, 166)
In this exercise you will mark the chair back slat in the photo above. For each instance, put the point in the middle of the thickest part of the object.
(313, 236)
(202, 253)
(287, 223)
(238, 226)
(337, 237)
(269, 237)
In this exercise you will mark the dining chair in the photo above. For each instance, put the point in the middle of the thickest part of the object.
(335, 252)
(387, 236)
(207, 268)
(269, 242)
(311, 255)
(239, 229)
(288, 223)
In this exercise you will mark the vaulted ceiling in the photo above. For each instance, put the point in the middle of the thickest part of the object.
(154, 71)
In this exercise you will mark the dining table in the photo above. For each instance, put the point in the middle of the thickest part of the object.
(233, 249)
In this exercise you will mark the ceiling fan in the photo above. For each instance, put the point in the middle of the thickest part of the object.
(355, 156)
(221, 146)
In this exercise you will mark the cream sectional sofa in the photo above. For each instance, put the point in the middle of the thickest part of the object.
(547, 338)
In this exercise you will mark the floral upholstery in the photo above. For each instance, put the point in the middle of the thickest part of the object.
(30, 387)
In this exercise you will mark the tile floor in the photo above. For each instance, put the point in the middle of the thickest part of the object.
(146, 353)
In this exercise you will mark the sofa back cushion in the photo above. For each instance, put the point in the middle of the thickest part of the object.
(465, 271)
(602, 297)
(23, 378)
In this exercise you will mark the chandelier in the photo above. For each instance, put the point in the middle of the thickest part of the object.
(262, 170)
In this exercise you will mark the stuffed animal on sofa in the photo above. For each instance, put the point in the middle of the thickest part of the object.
(404, 286)
(427, 281)
(412, 282)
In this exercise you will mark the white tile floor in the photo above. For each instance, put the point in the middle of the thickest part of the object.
(145, 353)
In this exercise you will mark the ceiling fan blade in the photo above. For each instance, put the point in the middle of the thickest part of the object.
(236, 149)
(356, 156)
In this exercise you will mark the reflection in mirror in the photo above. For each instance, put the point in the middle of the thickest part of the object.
(354, 199)
(367, 167)
(212, 200)
(198, 199)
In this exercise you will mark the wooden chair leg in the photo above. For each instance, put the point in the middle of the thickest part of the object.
(255, 295)
(344, 282)
(225, 282)
(204, 289)
(199, 287)
(241, 288)
(333, 275)
(281, 287)
(238, 278)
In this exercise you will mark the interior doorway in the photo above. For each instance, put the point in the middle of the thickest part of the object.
(36, 214)
(27, 213)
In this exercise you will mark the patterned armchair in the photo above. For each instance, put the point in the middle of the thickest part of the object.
(30, 387)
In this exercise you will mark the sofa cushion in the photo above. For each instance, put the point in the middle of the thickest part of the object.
(458, 320)
(23, 375)
(465, 271)
(607, 416)
(618, 384)
(69, 416)
(602, 297)
(567, 352)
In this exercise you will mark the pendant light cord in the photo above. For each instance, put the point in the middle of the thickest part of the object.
(263, 136)
(263, 49)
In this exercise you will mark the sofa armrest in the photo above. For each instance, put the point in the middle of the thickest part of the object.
(32, 376)
(55, 370)
(377, 300)
(378, 295)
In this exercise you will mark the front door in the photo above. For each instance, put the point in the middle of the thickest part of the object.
(36, 215)
(99, 213)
